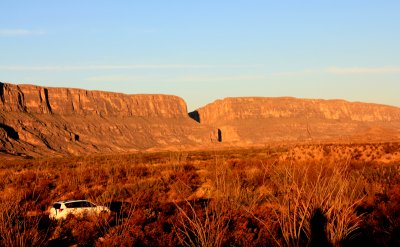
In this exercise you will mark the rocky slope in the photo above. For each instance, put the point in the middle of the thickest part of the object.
(258, 120)
(41, 121)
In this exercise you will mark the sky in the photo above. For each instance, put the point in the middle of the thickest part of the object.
(206, 50)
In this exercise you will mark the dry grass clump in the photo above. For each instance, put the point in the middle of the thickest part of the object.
(305, 189)
(17, 226)
(206, 226)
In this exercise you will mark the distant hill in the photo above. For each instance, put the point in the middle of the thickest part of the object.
(261, 119)
(40, 121)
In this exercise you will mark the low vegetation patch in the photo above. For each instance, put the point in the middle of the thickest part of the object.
(308, 195)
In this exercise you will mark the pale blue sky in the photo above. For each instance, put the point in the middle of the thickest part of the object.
(205, 50)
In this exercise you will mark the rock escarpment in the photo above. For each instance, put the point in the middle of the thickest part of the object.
(36, 120)
(78, 102)
(258, 120)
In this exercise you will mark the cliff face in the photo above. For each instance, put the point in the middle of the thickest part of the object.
(262, 108)
(65, 101)
(257, 119)
(41, 121)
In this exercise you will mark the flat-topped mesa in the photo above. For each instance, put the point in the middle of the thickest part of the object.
(287, 107)
(261, 120)
(38, 121)
(66, 101)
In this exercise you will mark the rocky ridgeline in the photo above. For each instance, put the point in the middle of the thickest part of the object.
(39, 121)
(66, 101)
(261, 119)
(286, 107)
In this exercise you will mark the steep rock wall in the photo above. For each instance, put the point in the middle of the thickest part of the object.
(258, 119)
(66, 101)
(261, 108)
(39, 121)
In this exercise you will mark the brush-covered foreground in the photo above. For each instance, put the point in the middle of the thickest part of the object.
(310, 195)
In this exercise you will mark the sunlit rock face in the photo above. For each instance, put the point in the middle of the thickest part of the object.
(66, 101)
(259, 119)
(36, 120)
(40, 121)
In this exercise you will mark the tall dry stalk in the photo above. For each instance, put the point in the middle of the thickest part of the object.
(207, 229)
(17, 229)
(306, 188)
(208, 225)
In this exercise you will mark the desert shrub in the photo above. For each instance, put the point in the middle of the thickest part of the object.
(326, 149)
(80, 231)
(390, 148)
(184, 182)
(136, 226)
(159, 227)
(17, 228)
(382, 223)
(252, 228)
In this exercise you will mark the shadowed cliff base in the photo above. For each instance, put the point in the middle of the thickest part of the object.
(2, 92)
(11, 133)
(195, 116)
